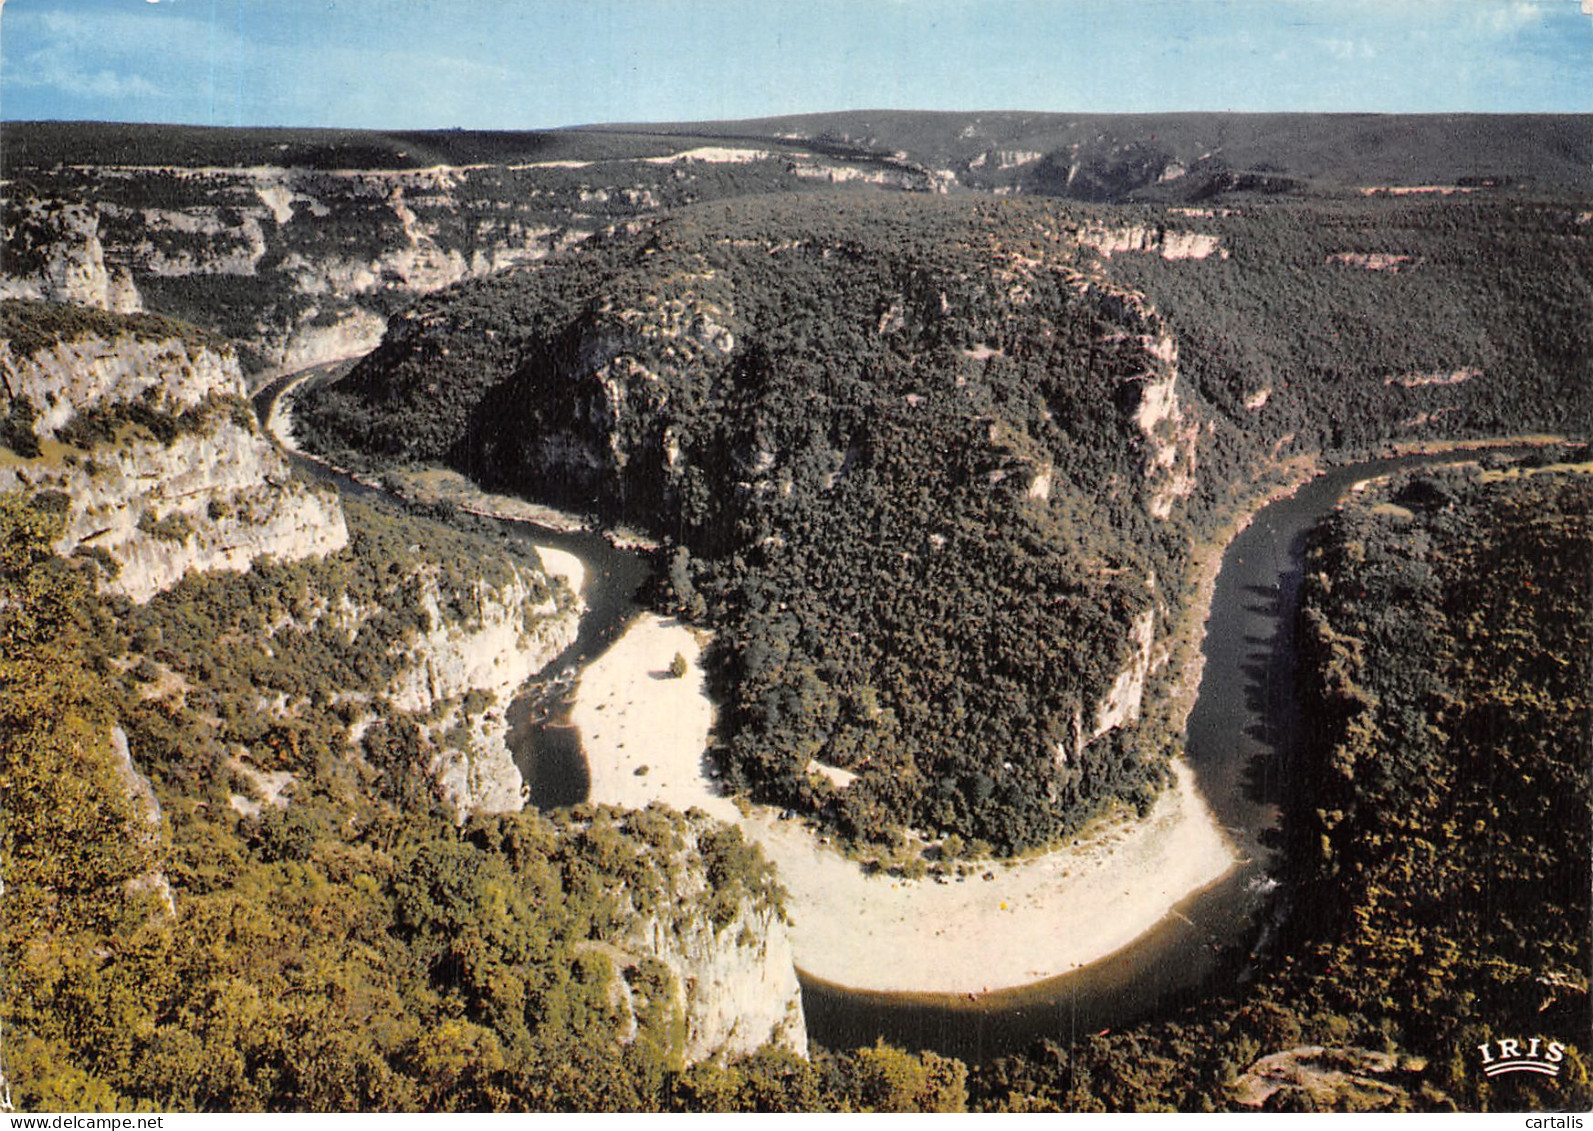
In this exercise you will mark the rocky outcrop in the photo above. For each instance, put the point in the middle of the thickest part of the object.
(1424, 380)
(1172, 435)
(346, 334)
(70, 377)
(514, 629)
(214, 494)
(1122, 702)
(146, 807)
(1374, 260)
(55, 254)
(1165, 242)
(325, 252)
(715, 921)
(1313, 1078)
(218, 499)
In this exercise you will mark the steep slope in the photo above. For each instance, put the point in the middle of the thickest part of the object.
(135, 432)
(300, 244)
(1195, 156)
(140, 430)
(922, 461)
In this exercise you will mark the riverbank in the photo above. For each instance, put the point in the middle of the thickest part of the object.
(1032, 920)
(644, 734)
(1187, 639)
(435, 485)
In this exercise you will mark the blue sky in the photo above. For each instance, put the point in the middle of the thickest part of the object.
(536, 63)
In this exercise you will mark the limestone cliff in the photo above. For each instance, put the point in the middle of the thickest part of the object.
(1165, 242)
(214, 500)
(168, 471)
(513, 630)
(709, 910)
(55, 254)
(147, 808)
(1121, 704)
(1171, 434)
(74, 375)
(326, 254)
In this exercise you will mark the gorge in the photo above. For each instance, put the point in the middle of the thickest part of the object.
(922, 487)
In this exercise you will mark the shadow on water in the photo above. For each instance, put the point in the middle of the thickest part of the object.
(546, 748)
(545, 744)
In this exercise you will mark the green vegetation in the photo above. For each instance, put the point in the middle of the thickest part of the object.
(837, 406)
(1439, 829)
(835, 410)
(29, 326)
(1348, 357)
(351, 949)
(838, 409)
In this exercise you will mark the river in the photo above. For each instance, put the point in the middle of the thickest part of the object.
(1240, 737)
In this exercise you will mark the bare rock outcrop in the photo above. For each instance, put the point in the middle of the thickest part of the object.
(73, 376)
(713, 916)
(147, 807)
(1168, 243)
(62, 258)
(1314, 1078)
(514, 629)
(211, 494)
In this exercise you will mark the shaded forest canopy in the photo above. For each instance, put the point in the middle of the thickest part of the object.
(1101, 157)
(898, 446)
(839, 413)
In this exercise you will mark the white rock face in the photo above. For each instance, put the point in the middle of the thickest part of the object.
(1171, 435)
(1167, 243)
(736, 984)
(739, 983)
(1123, 701)
(356, 332)
(225, 497)
(147, 807)
(511, 634)
(217, 498)
(265, 223)
(72, 376)
(1373, 261)
(74, 269)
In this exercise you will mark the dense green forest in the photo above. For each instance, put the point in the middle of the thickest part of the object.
(1356, 322)
(839, 409)
(1436, 881)
(837, 413)
(912, 461)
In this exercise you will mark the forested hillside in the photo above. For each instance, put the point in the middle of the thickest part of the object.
(911, 455)
(1437, 889)
(925, 463)
(1191, 157)
(1345, 323)
(217, 903)
(929, 414)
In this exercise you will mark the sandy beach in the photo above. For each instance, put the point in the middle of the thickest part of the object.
(1034, 919)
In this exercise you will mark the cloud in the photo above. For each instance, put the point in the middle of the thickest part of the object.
(40, 73)
(1506, 19)
(1348, 50)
